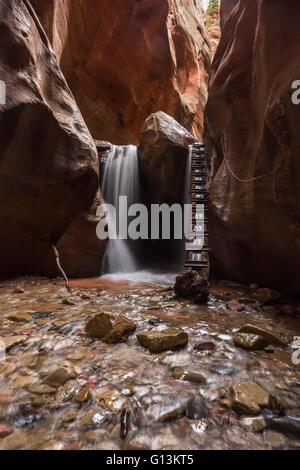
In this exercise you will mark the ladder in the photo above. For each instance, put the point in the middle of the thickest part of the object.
(198, 258)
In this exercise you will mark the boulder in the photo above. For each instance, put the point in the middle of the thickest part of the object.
(190, 285)
(271, 337)
(158, 340)
(110, 329)
(164, 148)
(250, 341)
(248, 398)
(59, 376)
(48, 160)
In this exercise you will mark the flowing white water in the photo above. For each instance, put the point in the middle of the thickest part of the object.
(120, 178)
(145, 277)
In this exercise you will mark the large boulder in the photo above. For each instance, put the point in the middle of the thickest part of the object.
(125, 59)
(110, 329)
(190, 285)
(164, 145)
(49, 186)
(252, 131)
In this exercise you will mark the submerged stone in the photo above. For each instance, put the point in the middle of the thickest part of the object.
(253, 424)
(271, 337)
(157, 340)
(20, 317)
(248, 398)
(196, 408)
(59, 376)
(250, 341)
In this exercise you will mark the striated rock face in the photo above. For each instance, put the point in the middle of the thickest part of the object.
(226, 8)
(48, 160)
(253, 131)
(125, 59)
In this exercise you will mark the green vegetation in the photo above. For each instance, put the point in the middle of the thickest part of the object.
(213, 7)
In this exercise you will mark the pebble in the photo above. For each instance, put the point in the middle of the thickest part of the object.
(5, 430)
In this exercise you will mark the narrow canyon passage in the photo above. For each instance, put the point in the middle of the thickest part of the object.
(149, 152)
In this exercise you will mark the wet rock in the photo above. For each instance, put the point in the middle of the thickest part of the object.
(41, 389)
(274, 439)
(159, 340)
(68, 301)
(250, 341)
(51, 445)
(235, 306)
(166, 410)
(177, 373)
(140, 442)
(226, 403)
(24, 381)
(284, 424)
(271, 337)
(177, 359)
(248, 398)
(266, 295)
(60, 376)
(83, 395)
(94, 418)
(18, 290)
(11, 341)
(238, 439)
(111, 399)
(125, 422)
(253, 424)
(69, 417)
(198, 431)
(190, 285)
(196, 408)
(95, 435)
(5, 430)
(41, 315)
(110, 329)
(205, 346)
(20, 317)
(21, 440)
(195, 376)
(166, 439)
(67, 392)
(276, 404)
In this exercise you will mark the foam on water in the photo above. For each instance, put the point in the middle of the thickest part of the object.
(147, 277)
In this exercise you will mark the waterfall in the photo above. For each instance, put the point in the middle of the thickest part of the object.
(121, 178)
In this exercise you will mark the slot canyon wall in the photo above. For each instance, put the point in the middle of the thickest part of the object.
(48, 160)
(253, 135)
(126, 59)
